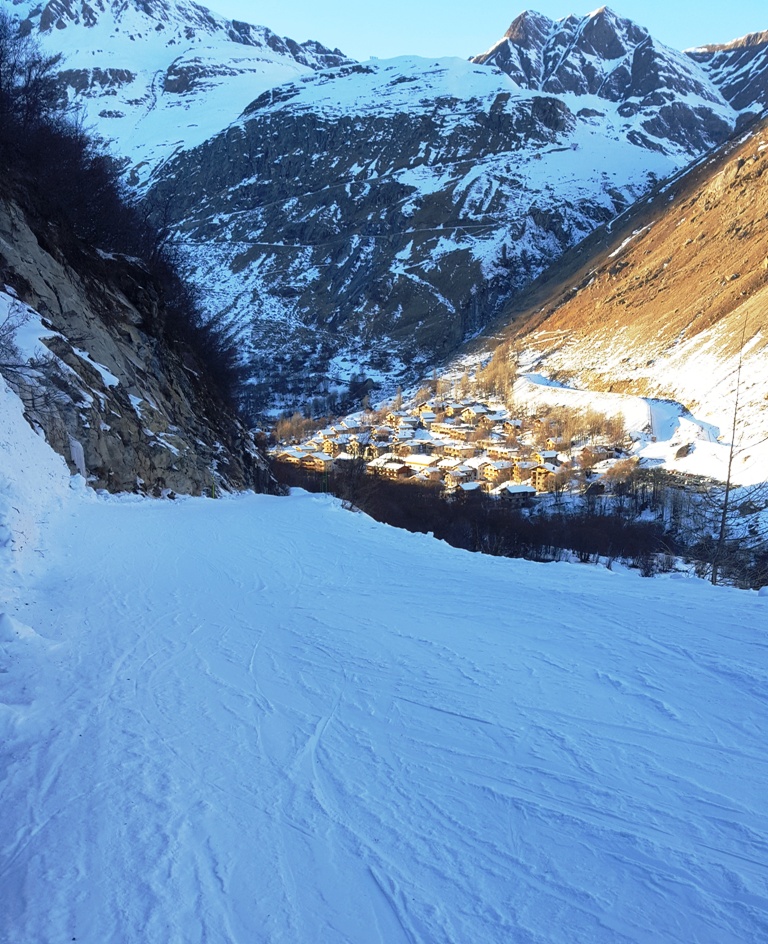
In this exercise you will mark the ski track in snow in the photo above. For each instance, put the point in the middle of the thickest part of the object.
(271, 720)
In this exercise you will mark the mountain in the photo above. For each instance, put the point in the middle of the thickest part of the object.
(154, 76)
(367, 219)
(669, 300)
(616, 60)
(364, 220)
(739, 69)
(662, 91)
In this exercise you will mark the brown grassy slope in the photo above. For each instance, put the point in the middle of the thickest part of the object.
(664, 313)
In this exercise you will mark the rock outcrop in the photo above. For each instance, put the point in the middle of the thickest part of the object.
(152, 76)
(124, 408)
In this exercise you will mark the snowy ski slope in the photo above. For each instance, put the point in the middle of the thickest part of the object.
(270, 720)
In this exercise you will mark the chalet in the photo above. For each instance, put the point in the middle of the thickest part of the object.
(498, 471)
(373, 450)
(460, 450)
(522, 470)
(388, 465)
(496, 417)
(516, 494)
(419, 462)
(478, 463)
(489, 442)
(473, 413)
(512, 427)
(395, 417)
(428, 417)
(456, 477)
(401, 448)
(395, 470)
(463, 432)
(542, 476)
(548, 456)
(497, 451)
(317, 462)
(291, 456)
(332, 446)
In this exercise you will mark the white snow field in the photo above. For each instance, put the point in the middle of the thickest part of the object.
(271, 720)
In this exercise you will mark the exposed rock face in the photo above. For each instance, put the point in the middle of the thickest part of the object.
(613, 59)
(114, 400)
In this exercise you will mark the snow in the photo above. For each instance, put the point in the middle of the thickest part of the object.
(270, 719)
(146, 118)
(659, 428)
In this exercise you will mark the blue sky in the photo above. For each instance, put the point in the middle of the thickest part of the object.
(449, 28)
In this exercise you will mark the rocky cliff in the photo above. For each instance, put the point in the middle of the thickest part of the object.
(125, 409)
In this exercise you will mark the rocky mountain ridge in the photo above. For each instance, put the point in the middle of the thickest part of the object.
(617, 60)
(364, 220)
(367, 219)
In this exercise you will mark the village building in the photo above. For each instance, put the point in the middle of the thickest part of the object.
(499, 470)
(317, 462)
(513, 493)
(289, 455)
(542, 475)
(548, 456)
(443, 428)
(473, 413)
(522, 470)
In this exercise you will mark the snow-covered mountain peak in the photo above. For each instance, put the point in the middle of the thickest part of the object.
(154, 76)
(77, 25)
(601, 54)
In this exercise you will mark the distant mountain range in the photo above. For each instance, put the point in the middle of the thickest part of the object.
(366, 219)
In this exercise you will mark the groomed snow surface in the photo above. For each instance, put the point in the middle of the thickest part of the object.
(271, 720)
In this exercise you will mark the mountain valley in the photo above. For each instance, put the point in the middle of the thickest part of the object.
(361, 221)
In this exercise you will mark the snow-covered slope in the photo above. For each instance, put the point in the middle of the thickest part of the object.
(157, 75)
(268, 719)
